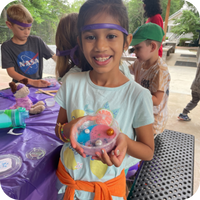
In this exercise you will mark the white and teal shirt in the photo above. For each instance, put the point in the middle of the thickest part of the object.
(130, 104)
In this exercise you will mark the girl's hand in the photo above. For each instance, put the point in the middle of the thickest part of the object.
(74, 125)
(116, 156)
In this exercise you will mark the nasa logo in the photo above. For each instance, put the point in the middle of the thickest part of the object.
(28, 62)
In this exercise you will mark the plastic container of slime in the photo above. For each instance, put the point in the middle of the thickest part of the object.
(96, 132)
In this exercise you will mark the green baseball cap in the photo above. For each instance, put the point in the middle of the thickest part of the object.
(147, 31)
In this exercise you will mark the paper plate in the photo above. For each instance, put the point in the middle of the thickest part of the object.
(35, 153)
(9, 165)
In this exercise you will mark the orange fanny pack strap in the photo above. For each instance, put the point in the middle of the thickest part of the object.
(103, 191)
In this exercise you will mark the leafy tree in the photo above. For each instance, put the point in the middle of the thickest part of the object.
(46, 15)
(189, 22)
(75, 6)
(45, 10)
(192, 4)
(135, 14)
(136, 11)
(175, 5)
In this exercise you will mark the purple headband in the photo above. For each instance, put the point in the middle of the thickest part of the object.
(19, 86)
(68, 52)
(104, 25)
(18, 23)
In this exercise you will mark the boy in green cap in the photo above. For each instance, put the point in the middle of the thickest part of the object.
(151, 71)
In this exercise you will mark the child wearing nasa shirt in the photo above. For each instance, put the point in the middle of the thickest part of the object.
(22, 55)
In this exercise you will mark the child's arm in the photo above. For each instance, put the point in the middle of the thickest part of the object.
(54, 57)
(36, 83)
(62, 118)
(157, 97)
(142, 149)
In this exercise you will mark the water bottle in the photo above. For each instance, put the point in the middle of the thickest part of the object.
(14, 118)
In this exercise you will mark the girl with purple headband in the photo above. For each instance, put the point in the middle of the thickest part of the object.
(70, 59)
(102, 37)
(67, 48)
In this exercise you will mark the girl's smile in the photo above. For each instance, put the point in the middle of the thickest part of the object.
(102, 60)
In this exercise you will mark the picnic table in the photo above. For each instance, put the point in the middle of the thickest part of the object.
(36, 178)
(169, 175)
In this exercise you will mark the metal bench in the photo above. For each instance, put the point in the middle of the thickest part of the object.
(169, 175)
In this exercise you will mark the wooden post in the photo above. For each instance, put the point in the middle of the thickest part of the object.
(166, 18)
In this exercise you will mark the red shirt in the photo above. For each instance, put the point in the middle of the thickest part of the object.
(157, 19)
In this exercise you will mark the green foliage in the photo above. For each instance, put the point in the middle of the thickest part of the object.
(136, 11)
(135, 14)
(175, 5)
(189, 22)
(192, 4)
(46, 15)
(45, 9)
(75, 6)
(182, 41)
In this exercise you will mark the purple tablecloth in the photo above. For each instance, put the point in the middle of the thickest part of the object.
(36, 179)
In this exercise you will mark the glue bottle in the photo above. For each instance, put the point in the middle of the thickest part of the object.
(14, 118)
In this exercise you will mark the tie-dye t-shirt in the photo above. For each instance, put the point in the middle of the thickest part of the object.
(155, 78)
(130, 104)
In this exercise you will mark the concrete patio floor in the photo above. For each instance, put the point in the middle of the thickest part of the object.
(181, 80)
(180, 94)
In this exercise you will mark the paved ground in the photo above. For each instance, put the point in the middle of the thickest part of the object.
(180, 95)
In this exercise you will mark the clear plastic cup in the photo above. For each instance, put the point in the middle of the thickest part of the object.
(50, 102)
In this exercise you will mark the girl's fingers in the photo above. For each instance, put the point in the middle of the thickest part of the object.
(80, 151)
(73, 142)
(116, 157)
(77, 147)
(104, 157)
(96, 158)
(74, 129)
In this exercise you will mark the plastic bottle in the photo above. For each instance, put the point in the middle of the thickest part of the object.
(14, 118)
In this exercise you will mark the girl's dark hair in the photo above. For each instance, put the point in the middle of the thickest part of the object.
(152, 8)
(66, 38)
(91, 8)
